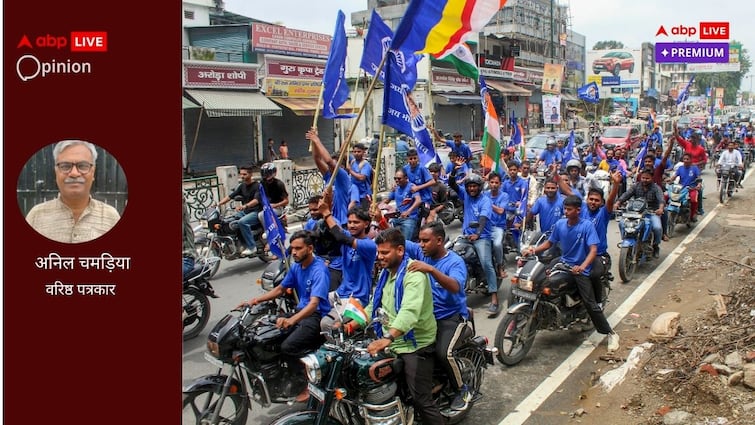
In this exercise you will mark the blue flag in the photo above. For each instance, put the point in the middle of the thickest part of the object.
(569, 151)
(336, 90)
(685, 93)
(651, 123)
(589, 93)
(641, 155)
(377, 43)
(401, 112)
(276, 235)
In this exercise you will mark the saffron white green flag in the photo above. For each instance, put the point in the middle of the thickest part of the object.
(464, 61)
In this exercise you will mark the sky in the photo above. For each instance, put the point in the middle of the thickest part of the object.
(628, 21)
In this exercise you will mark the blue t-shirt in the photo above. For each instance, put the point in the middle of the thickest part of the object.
(341, 191)
(549, 212)
(502, 200)
(549, 157)
(687, 176)
(575, 241)
(364, 186)
(462, 150)
(353, 193)
(460, 173)
(474, 208)
(399, 194)
(419, 176)
(599, 219)
(517, 191)
(314, 281)
(445, 303)
(357, 270)
(402, 146)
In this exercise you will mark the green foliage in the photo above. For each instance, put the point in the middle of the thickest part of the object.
(608, 44)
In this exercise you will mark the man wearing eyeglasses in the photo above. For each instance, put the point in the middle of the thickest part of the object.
(74, 216)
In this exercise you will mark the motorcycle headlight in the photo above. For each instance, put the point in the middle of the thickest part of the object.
(526, 285)
(312, 367)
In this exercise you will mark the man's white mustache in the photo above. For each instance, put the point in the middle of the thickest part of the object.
(80, 180)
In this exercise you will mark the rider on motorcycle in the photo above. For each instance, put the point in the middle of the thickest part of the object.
(688, 174)
(578, 184)
(653, 194)
(447, 274)
(249, 210)
(478, 209)
(309, 277)
(733, 157)
(549, 207)
(407, 203)
(579, 246)
(550, 155)
(499, 203)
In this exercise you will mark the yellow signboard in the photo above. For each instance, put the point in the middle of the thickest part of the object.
(285, 87)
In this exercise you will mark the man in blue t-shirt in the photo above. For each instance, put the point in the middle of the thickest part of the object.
(358, 253)
(360, 171)
(579, 246)
(407, 203)
(550, 155)
(549, 207)
(448, 275)
(420, 180)
(309, 277)
(327, 165)
(460, 147)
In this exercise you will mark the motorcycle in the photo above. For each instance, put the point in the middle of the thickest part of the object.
(196, 295)
(453, 209)
(727, 182)
(476, 282)
(222, 237)
(678, 205)
(248, 347)
(348, 386)
(545, 298)
(637, 237)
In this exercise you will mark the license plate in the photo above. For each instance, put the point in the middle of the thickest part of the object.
(213, 360)
(315, 391)
(524, 294)
(675, 204)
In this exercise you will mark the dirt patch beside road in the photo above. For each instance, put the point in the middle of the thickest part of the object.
(691, 371)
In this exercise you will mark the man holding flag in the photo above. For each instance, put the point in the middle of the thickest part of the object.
(272, 208)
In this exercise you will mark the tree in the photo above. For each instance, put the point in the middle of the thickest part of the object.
(730, 81)
(608, 44)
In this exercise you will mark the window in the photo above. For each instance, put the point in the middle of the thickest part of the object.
(189, 14)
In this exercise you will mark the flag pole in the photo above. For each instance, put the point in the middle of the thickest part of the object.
(376, 172)
(317, 110)
(356, 121)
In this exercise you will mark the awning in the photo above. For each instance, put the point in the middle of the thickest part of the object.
(188, 103)
(226, 103)
(569, 97)
(457, 99)
(508, 89)
(303, 107)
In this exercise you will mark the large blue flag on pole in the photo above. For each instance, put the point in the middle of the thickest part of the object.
(336, 90)
(377, 43)
(589, 92)
(402, 113)
(276, 234)
(685, 93)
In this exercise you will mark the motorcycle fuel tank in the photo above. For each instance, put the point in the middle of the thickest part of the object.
(370, 372)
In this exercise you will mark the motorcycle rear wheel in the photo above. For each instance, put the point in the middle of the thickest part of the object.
(511, 344)
(472, 377)
(197, 307)
(672, 216)
(627, 263)
(198, 407)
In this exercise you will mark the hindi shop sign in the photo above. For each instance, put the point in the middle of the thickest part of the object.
(451, 82)
(685, 52)
(205, 74)
(294, 69)
(268, 38)
(289, 87)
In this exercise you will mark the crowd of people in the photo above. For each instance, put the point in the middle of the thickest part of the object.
(350, 250)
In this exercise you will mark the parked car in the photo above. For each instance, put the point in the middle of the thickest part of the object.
(743, 115)
(613, 62)
(699, 121)
(626, 137)
(536, 144)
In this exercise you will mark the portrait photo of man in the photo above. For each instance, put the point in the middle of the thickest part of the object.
(69, 213)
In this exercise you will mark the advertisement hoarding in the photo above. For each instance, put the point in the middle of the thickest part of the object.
(625, 64)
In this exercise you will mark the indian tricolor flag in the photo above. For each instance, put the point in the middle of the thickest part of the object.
(355, 311)
(464, 61)
(438, 26)
(491, 138)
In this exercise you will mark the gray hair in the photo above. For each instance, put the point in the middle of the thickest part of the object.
(60, 146)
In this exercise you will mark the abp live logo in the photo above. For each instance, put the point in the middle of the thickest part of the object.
(707, 30)
(80, 41)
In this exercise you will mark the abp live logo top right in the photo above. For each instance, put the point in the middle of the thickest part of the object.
(694, 52)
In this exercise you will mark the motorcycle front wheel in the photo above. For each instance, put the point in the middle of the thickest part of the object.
(198, 408)
(510, 340)
(196, 311)
(211, 250)
(672, 216)
(627, 263)
(723, 196)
